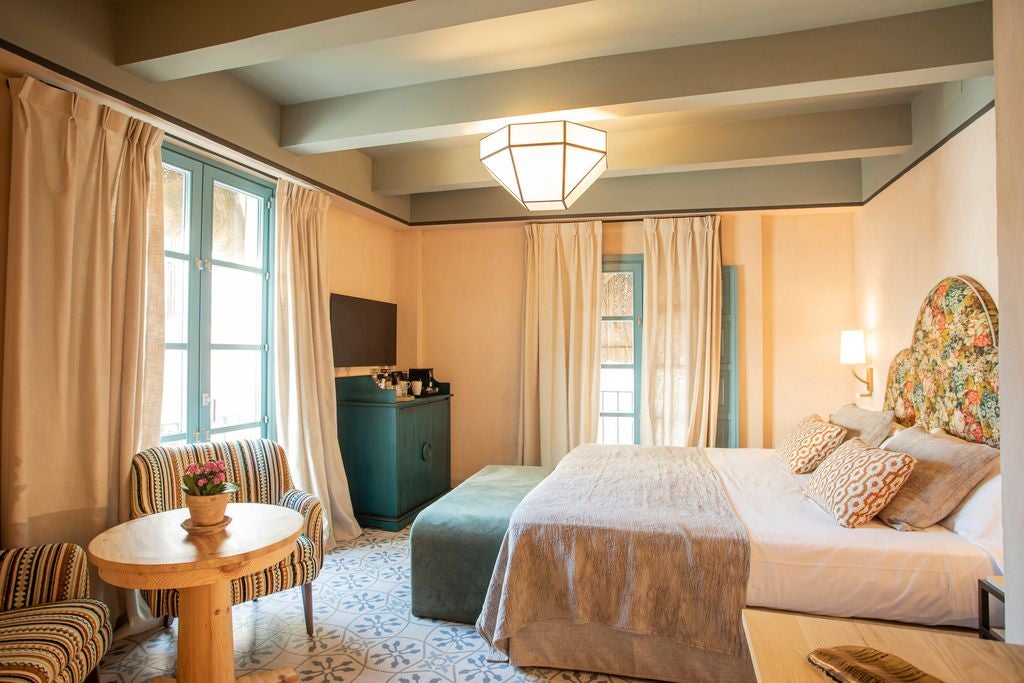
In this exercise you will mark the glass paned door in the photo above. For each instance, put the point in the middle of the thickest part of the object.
(621, 310)
(238, 242)
(182, 179)
(217, 252)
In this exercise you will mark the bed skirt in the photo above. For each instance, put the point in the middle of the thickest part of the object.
(592, 647)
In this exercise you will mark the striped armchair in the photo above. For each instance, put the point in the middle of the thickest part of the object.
(49, 628)
(260, 468)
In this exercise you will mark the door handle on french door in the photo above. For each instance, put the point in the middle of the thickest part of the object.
(209, 400)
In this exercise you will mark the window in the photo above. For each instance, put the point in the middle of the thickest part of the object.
(217, 249)
(621, 317)
(621, 351)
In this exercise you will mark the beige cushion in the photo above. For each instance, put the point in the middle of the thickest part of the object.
(947, 470)
(809, 443)
(896, 429)
(857, 481)
(871, 426)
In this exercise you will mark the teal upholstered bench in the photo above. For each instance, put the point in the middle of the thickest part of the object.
(455, 541)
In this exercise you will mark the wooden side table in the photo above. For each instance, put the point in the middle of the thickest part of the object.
(779, 643)
(991, 586)
(155, 552)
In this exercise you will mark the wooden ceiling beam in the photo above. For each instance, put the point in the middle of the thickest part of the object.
(902, 51)
(800, 138)
(164, 40)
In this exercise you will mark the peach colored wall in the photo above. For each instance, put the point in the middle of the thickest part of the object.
(472, 294)
(361, 256)
(366, 259)
(937, 220)
(808, 273)
(622, 237)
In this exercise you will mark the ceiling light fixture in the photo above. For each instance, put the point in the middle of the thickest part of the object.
(545, 166)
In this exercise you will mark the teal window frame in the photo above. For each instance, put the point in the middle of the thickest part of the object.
(202, 174)
(629, 263)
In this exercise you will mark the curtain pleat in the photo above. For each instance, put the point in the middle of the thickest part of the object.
(682, 338)
(561, 340)
(307, 418)
(83, 327)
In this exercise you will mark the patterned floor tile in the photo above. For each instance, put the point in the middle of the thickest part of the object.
(364, 632)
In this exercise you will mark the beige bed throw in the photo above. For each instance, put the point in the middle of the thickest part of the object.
(639, 539)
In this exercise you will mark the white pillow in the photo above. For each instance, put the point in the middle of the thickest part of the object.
(979, 517)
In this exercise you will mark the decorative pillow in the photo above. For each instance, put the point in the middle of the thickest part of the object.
(979, 518)
(947, 469)
(871, 426)
(809, 443)
(857, 481)
(896, 429)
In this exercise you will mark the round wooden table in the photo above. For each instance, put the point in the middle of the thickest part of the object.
(155, 552)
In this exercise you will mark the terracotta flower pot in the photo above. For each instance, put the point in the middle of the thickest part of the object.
(207, 510)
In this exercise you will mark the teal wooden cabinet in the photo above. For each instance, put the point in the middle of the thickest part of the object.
(397, 456)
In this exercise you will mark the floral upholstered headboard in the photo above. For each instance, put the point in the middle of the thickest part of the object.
(949, 377)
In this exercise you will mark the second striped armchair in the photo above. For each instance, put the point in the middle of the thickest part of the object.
(50, 630)
(260, 468)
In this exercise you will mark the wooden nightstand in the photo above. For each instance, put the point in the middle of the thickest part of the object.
(995, 587)
(779, 643)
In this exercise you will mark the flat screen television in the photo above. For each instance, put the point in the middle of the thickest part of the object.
(363, 332)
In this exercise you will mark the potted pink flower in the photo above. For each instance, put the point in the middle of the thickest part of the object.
(207, 489)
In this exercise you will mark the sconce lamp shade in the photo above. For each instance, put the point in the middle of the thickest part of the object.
(851, 347)
(545, 166)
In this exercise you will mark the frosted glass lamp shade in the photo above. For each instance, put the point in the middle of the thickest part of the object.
(545, 166)
(851, 347)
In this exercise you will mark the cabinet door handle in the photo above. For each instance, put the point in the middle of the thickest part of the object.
(426, 452)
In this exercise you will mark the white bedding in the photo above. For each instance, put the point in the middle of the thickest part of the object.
(802, 561)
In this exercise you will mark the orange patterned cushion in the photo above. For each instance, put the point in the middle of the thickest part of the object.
(809, 443)
(857, 481)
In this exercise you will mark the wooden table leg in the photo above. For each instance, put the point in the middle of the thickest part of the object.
(206, 646)
(206, 649)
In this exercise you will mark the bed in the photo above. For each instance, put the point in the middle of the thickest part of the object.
(549, 602)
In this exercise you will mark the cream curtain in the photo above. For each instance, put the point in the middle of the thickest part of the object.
(561, 340)
(307, 418)
(682, 338)
(83, 339)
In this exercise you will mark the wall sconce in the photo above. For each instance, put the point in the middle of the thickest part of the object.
(851, 352)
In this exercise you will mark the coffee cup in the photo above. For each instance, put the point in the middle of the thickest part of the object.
(416, 387)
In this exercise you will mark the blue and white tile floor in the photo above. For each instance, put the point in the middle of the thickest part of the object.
(364, 631)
